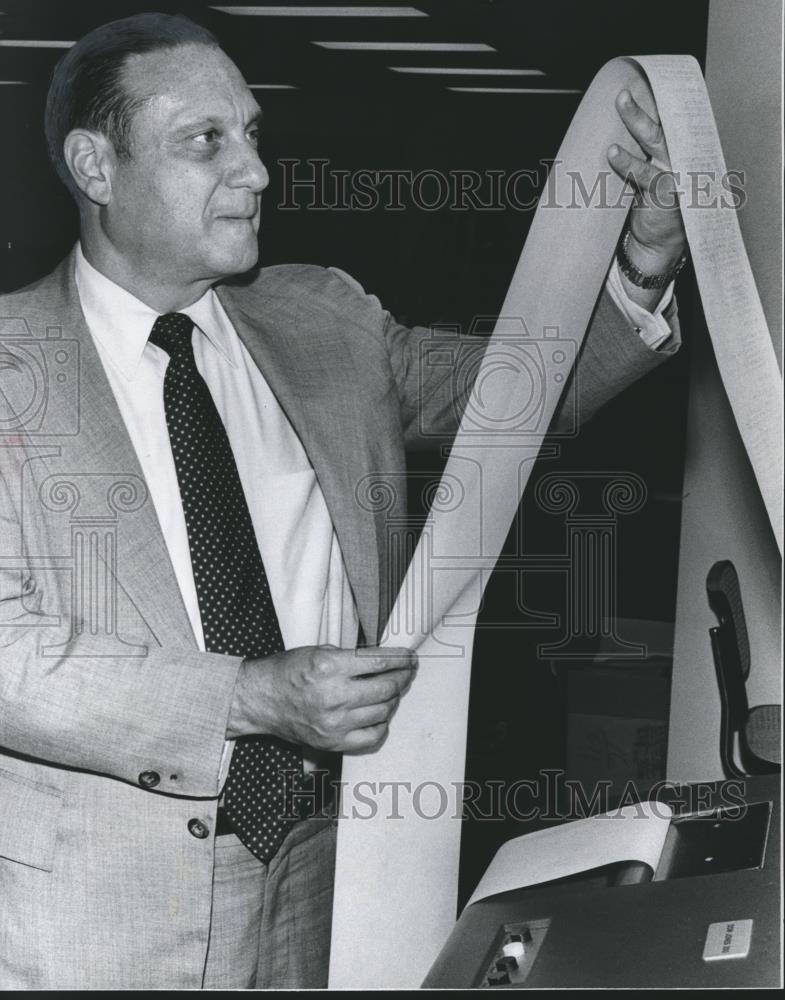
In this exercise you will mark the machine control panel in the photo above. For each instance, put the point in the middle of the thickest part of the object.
(514, 953)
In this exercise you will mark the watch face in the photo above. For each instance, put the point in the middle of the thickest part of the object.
(637, 277)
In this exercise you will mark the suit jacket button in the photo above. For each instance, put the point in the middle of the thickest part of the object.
(198, 829)
(149, 779)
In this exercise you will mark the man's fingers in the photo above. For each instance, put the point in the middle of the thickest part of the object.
(659, 186)
(365, 740)
(642, 127)
(378, 689)
(372, 715)
(377, 661)
(632, 168)
(651, 177)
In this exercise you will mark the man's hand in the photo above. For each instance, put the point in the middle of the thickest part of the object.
(657, 233)
(322, 696)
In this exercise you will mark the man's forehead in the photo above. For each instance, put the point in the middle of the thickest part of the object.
(189, 80)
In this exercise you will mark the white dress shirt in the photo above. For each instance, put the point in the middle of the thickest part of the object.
(302, 558)
(651, 327)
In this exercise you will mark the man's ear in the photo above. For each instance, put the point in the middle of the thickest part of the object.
(90, 158)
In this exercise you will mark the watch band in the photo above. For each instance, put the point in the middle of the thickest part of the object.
(636, 276)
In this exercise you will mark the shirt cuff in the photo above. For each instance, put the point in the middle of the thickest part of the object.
(652, 327)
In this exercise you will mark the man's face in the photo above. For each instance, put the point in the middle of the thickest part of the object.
(185, 206)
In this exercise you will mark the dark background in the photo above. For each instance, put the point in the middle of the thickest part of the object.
(426, 267)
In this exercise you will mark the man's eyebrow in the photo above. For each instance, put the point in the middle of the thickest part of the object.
(212, 121)
(189, 125)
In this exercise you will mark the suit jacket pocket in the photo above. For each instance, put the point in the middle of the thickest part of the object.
(29, 819)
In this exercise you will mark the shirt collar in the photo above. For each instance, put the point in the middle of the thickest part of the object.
(121, 323)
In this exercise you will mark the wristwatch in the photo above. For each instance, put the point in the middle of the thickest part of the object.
(636, 276)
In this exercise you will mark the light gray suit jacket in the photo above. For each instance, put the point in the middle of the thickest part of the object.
(102, 883)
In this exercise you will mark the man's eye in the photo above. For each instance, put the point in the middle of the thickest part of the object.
(254, 136)
(207, 138)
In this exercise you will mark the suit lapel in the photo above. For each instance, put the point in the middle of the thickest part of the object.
(102, 452)
(315, 382)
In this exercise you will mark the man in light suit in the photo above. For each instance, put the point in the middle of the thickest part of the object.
(118, 717)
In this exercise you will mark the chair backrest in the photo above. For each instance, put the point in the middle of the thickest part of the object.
(755, 733)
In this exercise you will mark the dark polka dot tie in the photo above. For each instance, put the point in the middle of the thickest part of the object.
(237, 612)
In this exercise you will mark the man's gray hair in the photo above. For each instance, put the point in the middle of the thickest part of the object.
(87, 89)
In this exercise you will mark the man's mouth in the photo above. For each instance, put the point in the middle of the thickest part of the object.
(245, 212)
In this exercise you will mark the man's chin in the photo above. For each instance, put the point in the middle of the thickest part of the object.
(239, 262)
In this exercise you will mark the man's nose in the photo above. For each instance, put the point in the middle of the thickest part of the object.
(259, 175)
(249, 171)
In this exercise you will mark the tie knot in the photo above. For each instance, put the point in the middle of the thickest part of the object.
(172, 333)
